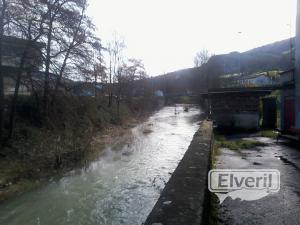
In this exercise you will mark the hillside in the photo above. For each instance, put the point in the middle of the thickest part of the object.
(275, 56)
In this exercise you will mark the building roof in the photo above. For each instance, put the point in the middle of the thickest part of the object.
(19, 41)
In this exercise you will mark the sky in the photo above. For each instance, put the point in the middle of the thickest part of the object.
(166, 34)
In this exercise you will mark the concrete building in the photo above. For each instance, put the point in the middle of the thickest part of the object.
(12, 53)
(237, 103)
(287, 114)
(235, 108)
(290, 81)
(13, 50)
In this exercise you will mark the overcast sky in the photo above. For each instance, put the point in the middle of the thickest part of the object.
(166, 34)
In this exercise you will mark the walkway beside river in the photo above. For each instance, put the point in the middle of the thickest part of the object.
(282, 208)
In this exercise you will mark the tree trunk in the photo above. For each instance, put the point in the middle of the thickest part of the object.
(71, 46)
(95, 85)
(58, 81)
(47, 72)
(119, 97)
(118, 107)
(37, 98)
(1, 70)
(110, 85)
(16, 95)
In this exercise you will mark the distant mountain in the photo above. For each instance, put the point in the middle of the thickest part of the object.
(275, 56)
(180, 81)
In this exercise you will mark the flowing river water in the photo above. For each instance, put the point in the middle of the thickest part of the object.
(119, 187)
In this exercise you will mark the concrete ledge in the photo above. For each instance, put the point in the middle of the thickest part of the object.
(183, 200)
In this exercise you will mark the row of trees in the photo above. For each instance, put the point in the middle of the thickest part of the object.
(70, 49)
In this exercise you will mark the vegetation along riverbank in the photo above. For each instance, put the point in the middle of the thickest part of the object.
(42, 150)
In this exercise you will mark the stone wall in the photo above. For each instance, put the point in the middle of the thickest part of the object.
(239, 110)
(184, 200)
(235, 102)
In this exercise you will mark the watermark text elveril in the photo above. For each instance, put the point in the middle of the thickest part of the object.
(243, 184)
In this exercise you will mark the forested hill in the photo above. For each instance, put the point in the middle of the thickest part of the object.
(275, 56)
(179, 81)
(269, 57)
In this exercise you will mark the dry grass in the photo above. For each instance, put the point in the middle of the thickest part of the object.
(269, 133)
(236, 144)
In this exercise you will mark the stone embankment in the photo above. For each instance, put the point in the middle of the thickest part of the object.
(184, 200)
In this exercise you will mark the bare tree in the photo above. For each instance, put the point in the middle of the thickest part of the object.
(68, 36)
(78, 44)
(4, 21)
(92, 68)
(26, 22)
(115, 48)
(50, 14)
(99, 68)
(57, 15)
(128, 76)
(201, 57)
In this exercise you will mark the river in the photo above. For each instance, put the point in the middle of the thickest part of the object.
(119, 187)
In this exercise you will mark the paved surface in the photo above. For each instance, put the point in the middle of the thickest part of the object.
(183, 198)
(282, 208)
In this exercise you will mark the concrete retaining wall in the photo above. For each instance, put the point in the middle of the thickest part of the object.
(243, 120)
(184, 198)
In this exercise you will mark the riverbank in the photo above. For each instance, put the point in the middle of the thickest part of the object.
(40, 153)
(184, 199)
(120, 185)
(18, 176)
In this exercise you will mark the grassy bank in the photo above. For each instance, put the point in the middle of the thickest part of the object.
(269, 133)
(235, 144)
(66, 140)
